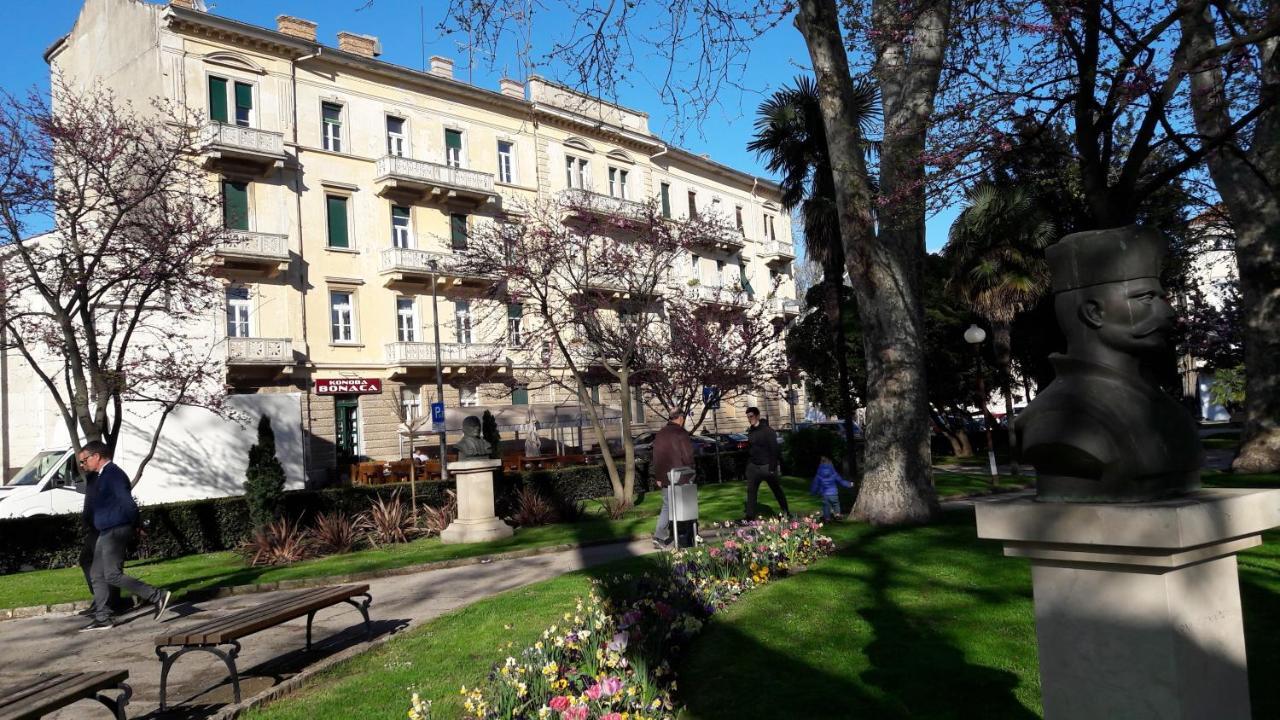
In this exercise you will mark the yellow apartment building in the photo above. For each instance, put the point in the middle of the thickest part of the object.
(346, 179)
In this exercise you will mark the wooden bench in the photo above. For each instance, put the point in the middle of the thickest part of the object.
(228, 630)
(34, 696)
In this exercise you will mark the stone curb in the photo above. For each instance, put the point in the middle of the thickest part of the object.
(230, 590)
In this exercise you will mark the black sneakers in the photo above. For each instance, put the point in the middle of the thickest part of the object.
(161, 601)
(98, 625)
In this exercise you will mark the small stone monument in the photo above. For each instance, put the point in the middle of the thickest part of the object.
(1133, 566)
(473, 473)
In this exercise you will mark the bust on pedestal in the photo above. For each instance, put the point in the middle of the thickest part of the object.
(473, 473)
(1133, 567)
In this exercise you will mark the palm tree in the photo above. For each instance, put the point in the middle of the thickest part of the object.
(792, 139)
(996, 248)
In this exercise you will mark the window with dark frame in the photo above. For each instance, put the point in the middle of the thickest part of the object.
(331, 122)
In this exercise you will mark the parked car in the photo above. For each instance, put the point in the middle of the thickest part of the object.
(47, 485)
(834, 426)
(728, 441)
(644, 445)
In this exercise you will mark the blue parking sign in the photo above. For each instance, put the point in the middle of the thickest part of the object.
(711, 396)
(437, 413)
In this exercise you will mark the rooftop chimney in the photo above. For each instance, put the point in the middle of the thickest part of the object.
(442, 66)
(365, 45)
(296, 27)
(511, 88)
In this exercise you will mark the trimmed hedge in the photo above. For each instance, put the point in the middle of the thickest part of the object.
(733, 466)
(200, 526)
(803, 449)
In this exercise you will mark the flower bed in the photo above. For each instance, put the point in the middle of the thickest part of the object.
(611, 658)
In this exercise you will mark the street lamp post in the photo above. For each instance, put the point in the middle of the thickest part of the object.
(974, 336)
(435, 323)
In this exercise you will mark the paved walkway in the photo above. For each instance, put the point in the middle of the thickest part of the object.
(197, 681)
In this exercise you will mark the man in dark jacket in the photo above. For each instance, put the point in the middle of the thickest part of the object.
(114, 516)
(116, 603)
(764, 461)
(672, 448)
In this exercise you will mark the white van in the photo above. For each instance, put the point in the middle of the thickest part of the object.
(47, 485)
(200, 455)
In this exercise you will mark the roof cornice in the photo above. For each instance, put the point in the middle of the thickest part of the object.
(180, 18)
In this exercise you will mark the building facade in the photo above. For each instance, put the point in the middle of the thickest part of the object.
(346, 180)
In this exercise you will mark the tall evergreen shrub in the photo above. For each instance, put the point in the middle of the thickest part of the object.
(264, 478)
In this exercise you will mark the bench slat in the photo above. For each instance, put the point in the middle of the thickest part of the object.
(281, 608)
(36, 695)
(252, 620)
(195, 632)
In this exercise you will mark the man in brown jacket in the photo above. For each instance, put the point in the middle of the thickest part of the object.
(672, 448)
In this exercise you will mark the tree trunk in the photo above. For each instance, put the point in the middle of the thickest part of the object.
(1002, 343)
(1249, 183)
(897, 483)
(833, 278)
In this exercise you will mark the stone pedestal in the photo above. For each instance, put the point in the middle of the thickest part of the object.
(1138, 605)
(476, 519)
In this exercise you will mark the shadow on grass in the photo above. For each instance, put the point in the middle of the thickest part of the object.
(871, 655)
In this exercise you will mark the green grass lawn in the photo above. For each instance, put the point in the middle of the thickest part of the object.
(198, 572)
(919, 622)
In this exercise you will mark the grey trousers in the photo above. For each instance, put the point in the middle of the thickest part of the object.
(86, 566)
(662, 533)
(108, 571)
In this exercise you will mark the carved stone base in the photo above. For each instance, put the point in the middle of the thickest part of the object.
(1138, 605)
(477, 520)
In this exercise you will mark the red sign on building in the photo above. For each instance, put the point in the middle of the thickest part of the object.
(349, 386)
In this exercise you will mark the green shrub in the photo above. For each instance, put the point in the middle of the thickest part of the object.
(264, 478)
(200, 526)
(803, 449)
(489, 431)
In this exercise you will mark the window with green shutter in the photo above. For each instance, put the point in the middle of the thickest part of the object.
(453, 148)
(458, 231)
(520, 395)
(217, 99)
(337, 214)
(235, 205)
(666, 200)
(244, 104)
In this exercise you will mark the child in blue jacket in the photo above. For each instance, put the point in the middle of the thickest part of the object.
(826, 484)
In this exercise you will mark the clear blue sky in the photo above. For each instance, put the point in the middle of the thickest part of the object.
(31, 27)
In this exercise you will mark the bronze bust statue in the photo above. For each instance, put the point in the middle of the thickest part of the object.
(1102, 431)
(472, 445)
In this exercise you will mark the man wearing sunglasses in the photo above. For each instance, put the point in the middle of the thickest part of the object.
(114, 516)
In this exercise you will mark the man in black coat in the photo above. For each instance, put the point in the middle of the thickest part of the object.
(764, 462)
(90, 534)
(114, 515)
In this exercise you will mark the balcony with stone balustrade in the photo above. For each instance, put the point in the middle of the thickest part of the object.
(715, 295)
(248, 254)
(775, 252)
(252, 356)
(586, 204)
(433, 183)
(419, 358)
(413, 269)
(785, 307)
(232, 147)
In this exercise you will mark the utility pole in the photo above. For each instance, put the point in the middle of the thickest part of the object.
(435, 326)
